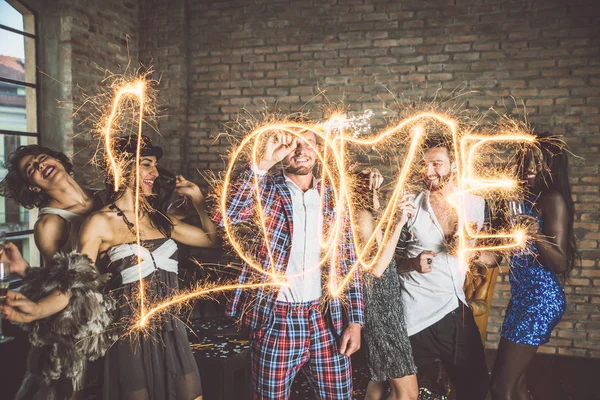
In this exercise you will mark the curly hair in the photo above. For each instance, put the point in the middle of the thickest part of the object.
(16, 186)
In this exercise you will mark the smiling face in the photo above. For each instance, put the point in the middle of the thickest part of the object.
(302, 160)
(535, 171)
(148, 173)
(41, 171)
(437, 168)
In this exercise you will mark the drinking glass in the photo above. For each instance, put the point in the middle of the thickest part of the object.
(407, 236)
(516, 207)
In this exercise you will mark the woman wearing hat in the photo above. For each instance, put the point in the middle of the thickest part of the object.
(156, 363)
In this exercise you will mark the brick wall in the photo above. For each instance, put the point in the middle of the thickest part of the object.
(241, 54)
(79, 41)
(164, 44)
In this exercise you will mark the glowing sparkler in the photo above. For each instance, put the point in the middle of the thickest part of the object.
(137, 90)
(332, 156)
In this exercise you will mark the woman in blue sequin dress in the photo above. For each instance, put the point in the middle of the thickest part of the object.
(536, 275)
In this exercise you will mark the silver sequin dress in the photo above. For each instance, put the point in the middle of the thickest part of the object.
(388, 350)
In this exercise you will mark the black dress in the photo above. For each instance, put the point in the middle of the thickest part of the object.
(156, 363)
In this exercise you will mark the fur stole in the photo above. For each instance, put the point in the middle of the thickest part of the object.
(62, 344)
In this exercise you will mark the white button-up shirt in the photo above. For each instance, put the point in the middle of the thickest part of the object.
(429, 297)
(303, 272)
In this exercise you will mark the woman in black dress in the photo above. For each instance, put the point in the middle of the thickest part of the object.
(156, 363)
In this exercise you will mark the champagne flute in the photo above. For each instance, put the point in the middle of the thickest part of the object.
(410, 197)
(516, 207)
(4, 283)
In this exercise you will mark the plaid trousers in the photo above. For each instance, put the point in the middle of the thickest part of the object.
(298, 336)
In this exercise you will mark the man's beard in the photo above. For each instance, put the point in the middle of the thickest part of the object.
(298, 170)
(442, 181)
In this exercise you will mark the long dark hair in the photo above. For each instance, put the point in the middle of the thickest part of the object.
(556, 177)
(16, 186)
(155, 205)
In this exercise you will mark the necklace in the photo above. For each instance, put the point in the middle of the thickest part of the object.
(121, 214)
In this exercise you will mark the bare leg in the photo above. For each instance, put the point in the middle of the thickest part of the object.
(405, 388)
(512, 360)
(523, 393)
(375, 390)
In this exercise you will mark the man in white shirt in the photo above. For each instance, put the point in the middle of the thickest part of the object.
(299, 325)
(439, 321)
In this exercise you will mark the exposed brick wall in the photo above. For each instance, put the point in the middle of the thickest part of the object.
(164, 43)
(243, 54)
(214, 58)
(80, 40)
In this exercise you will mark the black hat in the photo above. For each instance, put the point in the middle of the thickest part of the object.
(128, 144)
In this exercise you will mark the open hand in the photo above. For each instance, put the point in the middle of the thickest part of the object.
(277, 147)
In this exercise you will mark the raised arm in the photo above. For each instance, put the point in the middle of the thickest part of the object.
(189, 234)
(240, 197)
(367, 225)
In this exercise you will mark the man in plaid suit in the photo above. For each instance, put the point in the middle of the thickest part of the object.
(298, 325)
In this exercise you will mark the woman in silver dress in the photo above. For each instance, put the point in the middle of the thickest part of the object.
(389, 354)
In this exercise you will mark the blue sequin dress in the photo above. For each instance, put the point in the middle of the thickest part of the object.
(538, 299)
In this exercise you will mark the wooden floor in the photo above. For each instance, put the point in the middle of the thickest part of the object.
(550, 377)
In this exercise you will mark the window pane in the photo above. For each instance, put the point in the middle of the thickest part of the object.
(10, 17)
(13, 218)
(17, 56)
(17, 108)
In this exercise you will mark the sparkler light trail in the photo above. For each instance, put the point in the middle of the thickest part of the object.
(336, 137)
(332, 157)
(136, 89)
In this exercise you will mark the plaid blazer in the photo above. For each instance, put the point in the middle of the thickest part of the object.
(254, 307)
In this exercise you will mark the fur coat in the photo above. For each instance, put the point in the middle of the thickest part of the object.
(62, 344)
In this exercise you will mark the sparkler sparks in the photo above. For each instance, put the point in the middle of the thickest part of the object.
(336, 136)
(138, 90)
(333, 155)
